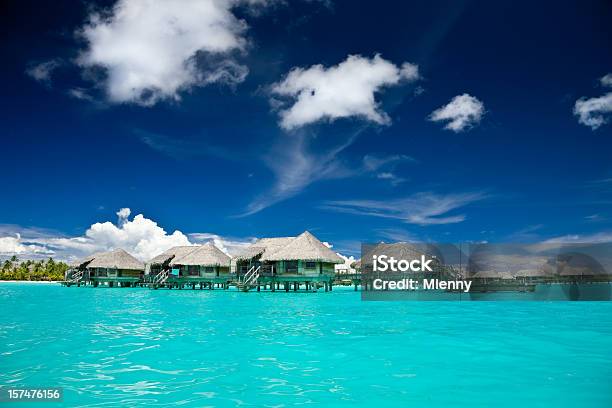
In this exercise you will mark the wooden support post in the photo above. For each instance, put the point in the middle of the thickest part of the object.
(355, 286)
(286, 286)
(331, 285)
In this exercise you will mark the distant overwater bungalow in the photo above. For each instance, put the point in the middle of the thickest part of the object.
(202, 265)
(162, 261)
(113, 268)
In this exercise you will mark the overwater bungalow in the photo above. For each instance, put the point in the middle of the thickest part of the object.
(204, 264)
(162, 261)
(301, 260)
(77, 273)
(115, 268)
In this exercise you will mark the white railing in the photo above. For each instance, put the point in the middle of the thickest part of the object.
(76, 277)
(250, 278)
(161, 277)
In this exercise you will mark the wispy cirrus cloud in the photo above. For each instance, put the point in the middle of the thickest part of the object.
(593, 238)
(344, 90)
(295, 167)
(461, 113)
(424, 208)
(182, 148)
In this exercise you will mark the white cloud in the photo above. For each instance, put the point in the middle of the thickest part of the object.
(231, 246)
(42, 72)
(462, 112)
(420, 209)
(593, 112)
(341, 91)
(140, 236)
(15, 246)
(123, 214)
(153, 50)
(606, 80)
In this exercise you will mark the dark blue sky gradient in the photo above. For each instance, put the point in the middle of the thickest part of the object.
(68, 163)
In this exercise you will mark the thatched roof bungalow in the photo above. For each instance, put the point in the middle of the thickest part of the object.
(162, 261)
(115, 266)
(205, 261)
(303, 255)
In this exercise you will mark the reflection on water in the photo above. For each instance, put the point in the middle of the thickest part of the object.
(138, 347)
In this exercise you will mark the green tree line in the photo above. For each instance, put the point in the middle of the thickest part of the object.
(49, 270)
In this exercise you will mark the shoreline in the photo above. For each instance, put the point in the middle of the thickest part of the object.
(28, 281)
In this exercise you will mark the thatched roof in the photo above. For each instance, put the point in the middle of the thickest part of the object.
(174, 252)
(399, 250)
(305, 247)
(82, 262)
(117, 259)
(263, 245)
(204, 255)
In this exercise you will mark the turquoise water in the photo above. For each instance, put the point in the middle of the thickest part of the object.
(139, 347)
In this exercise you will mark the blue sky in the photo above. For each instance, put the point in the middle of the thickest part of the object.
(448, 121)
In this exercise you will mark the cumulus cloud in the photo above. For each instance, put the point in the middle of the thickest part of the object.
(140, 236)
(341, 91)
(152, 50)
(593, 112)
(462, 112)
(420, 209)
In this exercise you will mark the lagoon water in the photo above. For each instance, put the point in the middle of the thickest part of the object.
(139, 347)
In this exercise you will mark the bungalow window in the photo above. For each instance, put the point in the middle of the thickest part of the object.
(311, 265)
(209, 269)
(291, 266)
(193, 270)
